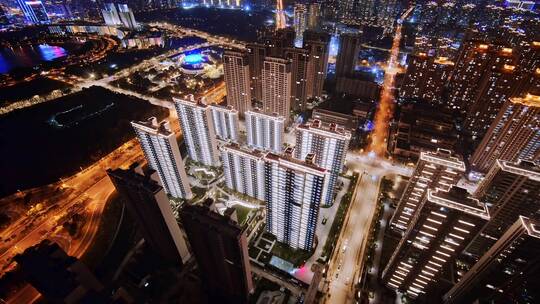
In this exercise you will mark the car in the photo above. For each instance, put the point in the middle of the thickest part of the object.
(324, 220)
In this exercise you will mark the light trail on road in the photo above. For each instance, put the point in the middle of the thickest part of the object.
(281, 23)
(385, 110)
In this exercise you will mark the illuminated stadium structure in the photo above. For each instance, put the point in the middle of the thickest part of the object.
(195, 63)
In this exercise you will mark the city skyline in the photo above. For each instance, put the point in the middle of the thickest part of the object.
(319, 152)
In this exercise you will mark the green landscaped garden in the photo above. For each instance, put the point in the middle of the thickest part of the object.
(296, 256)
(242, 214)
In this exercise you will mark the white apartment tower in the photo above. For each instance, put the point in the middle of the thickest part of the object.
(237, 80)
(264, 131)
(276, 86)
(161, 150)
(225, 122)
(243, 170)
(198, 131)
(434, 170)
(293, 195)
(329, 143)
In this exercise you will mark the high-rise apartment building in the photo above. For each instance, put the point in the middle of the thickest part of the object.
(440, 229)
(507, 273)
(314, 15)
(514, 134)
(426, 77)
(276, 86)
(256, 54)
(110, 14)
(494, 88)
(127, 17)
(434, 170)
(299, 59)
(264, 131)
(225, 122)
(220, 248)
(243, 170)
(329, 143)
(237, 75)
(34, 11)
(510, 189)
(198, 131)
(349, 47)
(293, 195)
(300, 21)
(475, 59)
(161, 151)
(148, 205)
(318, 46)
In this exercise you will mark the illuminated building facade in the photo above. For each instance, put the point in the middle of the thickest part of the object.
(299, 59)
(276, 86)
(510, 189)
(434, 170)
(443, 225)
(514, 134)
(34, 11)
(300, 19)
(329, 143)
(475, 59)
(314, 15)
(264, 131)
(225, 122)
(243, 170)
(256, 54)
(198, 131)
(317, 45)
(426, 77)
(293, 195)
(422, 126)
(110, 14)
(237, 80)
(127, 17)
(161, 151)
(507, 273)
(494, 88)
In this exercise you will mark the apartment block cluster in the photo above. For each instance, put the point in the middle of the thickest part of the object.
(466, 246)
(452, 242)
(292, 182)
(477, 80)
(278, 76)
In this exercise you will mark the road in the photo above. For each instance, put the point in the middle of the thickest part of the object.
(89, 191)
(345, 265)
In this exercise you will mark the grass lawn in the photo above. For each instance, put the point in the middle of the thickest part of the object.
(242, 214)
(198, 192)
(264, 244)
(296, 256)
(253, 252)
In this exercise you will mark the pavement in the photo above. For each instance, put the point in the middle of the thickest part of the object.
(375, 269)
(322, 233)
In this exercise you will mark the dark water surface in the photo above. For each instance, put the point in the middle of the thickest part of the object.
(38, 145)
